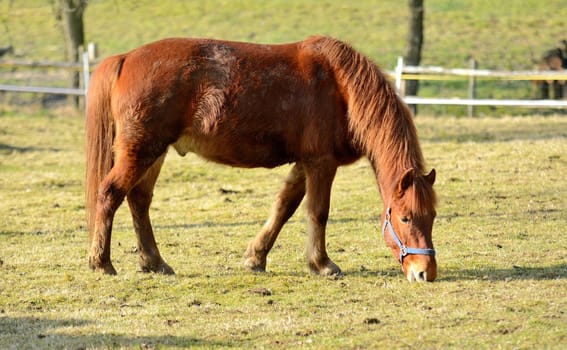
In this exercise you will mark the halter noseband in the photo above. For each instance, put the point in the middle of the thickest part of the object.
(403, 249)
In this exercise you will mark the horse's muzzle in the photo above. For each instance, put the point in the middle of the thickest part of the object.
(422, 269)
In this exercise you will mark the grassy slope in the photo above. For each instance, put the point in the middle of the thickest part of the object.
(500, 35)
(501, 213)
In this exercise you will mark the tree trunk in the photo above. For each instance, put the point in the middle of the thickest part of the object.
(71, 17)
(414, 44)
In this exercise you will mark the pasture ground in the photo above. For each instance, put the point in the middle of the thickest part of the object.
(500, 237)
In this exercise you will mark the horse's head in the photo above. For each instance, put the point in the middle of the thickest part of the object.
(407, 224)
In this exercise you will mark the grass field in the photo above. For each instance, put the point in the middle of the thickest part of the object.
(500, 232)
(500, 236)
(501, 35)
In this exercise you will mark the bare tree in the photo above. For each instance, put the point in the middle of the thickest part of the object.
(412, 56)
(70, 14)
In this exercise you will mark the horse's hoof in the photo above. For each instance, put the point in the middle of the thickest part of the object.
(328, 268)
(254, 264)
(104, 268)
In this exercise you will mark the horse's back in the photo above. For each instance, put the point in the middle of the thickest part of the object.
(235, 103)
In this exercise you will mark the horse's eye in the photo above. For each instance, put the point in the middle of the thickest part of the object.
(405, 220)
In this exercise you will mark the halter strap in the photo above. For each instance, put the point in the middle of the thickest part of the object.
(403, 249)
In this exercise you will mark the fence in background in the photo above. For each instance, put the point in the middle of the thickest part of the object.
(85, 67)
(400, 74)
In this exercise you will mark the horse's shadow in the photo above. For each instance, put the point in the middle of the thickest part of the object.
(256, 224)
(513, 133)
(44, 332)
(536, 273)
(8, 149)
(515, 273)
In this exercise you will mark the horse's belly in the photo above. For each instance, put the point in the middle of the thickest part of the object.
(234, 152)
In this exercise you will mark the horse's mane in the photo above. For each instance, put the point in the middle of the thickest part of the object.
(379, 120)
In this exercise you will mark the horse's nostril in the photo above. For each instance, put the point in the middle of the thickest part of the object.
(417, 276)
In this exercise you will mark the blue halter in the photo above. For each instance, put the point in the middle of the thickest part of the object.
(403, 249)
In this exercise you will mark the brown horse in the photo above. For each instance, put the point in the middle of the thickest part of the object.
(316, 103)
(552, 60)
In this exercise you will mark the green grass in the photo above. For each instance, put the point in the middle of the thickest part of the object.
(499, 236)
(505, 35)
(501, 35)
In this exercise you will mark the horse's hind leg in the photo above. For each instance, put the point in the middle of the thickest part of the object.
(544, 90)
(110, 196)
(285, 205)
(128, 169)
(139, 200)
(557, 90)
(319, 179)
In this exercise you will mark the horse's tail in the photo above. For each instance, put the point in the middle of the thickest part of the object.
(99, 131)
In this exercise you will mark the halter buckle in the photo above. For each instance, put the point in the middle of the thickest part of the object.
(388, 214)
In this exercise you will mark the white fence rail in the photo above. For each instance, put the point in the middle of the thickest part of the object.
(403, 72)
(414, 100)
(43, 90)
(84, 67)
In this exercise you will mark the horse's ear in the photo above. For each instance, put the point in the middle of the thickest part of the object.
(431, 177)
(406, 180)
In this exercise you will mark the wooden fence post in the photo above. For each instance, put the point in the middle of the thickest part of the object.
(86, 72)
(398, 72)
(93, 51)
(88, 56)
(472, 87)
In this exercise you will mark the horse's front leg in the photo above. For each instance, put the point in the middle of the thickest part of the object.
(319, 179)
(285, 205)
